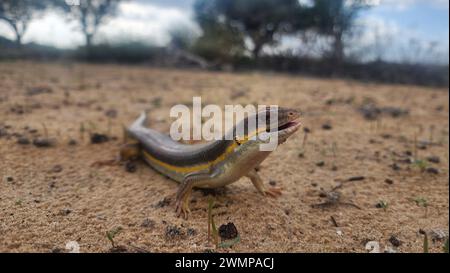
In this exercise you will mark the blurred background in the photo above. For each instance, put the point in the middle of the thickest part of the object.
(392, 41)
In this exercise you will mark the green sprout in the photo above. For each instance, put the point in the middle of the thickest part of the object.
(112, 233)
(425, 243)
(421, 164)
(383, 204)
(445, 248)
(422, 202)
(212, 229)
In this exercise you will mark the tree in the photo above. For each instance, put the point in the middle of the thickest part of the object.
(219, 42)
(258, 20)
(336, 18)
(19, 13)
(91, 14)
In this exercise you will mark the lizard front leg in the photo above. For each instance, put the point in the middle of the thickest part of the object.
(185, 190)
(259, 185)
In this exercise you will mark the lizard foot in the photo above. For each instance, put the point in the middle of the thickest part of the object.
(182, 208)
(109, 162)
(273, 192)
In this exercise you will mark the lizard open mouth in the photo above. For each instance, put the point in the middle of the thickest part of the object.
(289, 124)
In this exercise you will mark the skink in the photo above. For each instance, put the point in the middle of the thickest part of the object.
(208, 165)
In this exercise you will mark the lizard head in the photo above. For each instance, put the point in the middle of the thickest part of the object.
(287, 123)
(276, 122)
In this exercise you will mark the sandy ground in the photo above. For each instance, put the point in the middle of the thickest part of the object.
(50, 196)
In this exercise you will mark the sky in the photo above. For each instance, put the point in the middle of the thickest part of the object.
(401, 29)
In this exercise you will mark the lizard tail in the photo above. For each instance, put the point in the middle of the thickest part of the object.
(140, 121)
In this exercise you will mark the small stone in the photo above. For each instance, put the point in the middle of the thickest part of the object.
(130, 167)
(432, 170)
(23, 141)
(172, 232)
(356, 178)
(72, 142)
(327, 126)
(57, 250)
(434, 159)
(389, 181)
(65, 212)
(111, 113)
(306, 130)
(320, 164)
(44, 142)
(395, 241)
(57, 168)
(272, 182)
(9, 179)
(191, 232)
(228, 231)
(97, 138)
(148, 223)
(438, 235)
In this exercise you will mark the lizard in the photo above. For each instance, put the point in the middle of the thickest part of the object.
(208, 165)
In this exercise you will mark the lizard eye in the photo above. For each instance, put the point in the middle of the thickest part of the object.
(237, 141)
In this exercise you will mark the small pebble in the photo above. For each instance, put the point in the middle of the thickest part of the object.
(130, 167)
(97, 138)
(23, 141)
(432, 170)
(72, 142)
(57, 168)
(389, 181)
(148, 223)
(434, 159)
(327, 126)
(43, 142)
(356, 178)
(228, 231)
(395, 241)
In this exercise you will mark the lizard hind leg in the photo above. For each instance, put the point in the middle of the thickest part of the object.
(128, 152)
(259, 185)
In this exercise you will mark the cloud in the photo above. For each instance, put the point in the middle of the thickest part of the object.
(147, 23)
(180, 4)
(136, 21)
(388, 40)
(401, 5)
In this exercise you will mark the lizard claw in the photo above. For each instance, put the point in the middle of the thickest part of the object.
(273, 192)
(182, 208)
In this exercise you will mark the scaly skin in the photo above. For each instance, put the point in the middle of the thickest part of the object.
(209, 165)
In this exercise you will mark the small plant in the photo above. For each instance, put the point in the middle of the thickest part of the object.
(45, 130)
(383, 205)
(421, 164)
(425, 241)
(422, 202)
(303, 148)
(82, 130)
(445, 248)
(112, 233)
(212, 230)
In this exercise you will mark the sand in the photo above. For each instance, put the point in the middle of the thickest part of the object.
(51, 196)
